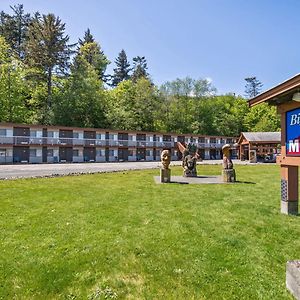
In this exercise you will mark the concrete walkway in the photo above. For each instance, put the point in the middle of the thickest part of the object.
(45, 170)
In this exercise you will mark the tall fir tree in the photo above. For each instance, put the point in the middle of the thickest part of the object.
(139, 68)
(93, 54)
(13, 92)
(14, 29)
(82, 101)
(253, 87)
(88, 38)
(121, 72)
(48, 54)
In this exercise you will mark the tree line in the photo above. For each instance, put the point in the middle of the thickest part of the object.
(44, 79)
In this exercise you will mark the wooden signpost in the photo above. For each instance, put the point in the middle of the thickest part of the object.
(286, 96)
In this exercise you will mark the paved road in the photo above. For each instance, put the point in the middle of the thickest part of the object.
(41, 170)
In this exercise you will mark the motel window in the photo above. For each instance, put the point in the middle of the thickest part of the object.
(33, 133)
(75, 152)
(213, 140)
(100, 152)
(201, 140)
(167, 138)
(148, 138)
(130, 152)
(50, 134)
(32, 152)
(111, 153)
(148, 153)
(75, 135)
(2, 132)
(130, 137)
(229, 141)
(141, 137)
(50, 152)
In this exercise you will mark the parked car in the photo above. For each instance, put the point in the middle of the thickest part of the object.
(270, 158)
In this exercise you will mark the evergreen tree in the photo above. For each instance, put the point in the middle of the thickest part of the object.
(88, 38)
(121, 72)
(139, 68)
(92, 53)
(47, 53)
(14, 29)
(253, 87)
(82, 102)
(13, 93)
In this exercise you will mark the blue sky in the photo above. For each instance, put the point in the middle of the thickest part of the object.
(224, 40)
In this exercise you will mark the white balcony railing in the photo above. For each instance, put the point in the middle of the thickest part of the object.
(59, 141)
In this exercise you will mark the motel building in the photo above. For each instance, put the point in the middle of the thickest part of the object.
(20, 143)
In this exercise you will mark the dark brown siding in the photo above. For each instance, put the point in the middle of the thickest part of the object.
(166, 138)
(154, 154)
(21, 131)
(123, 136)
(201, 153)
(65, 133)
(106, 154)
(44, 153)
(66, 154)
(141, 137)
(20, 154)
(181, 139)
(89, 134)
(89, 154)
(123, 154)
(140, 154)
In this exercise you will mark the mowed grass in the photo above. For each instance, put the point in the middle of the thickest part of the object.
(121, 236)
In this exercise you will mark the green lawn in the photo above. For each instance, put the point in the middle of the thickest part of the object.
(120, 235)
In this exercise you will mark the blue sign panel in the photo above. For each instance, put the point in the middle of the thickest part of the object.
(293, 132)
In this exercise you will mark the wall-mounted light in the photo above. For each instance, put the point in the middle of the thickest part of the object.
(296, 97)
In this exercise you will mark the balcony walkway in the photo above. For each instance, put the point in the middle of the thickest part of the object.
(46, 170)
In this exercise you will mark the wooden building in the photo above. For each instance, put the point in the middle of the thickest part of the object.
(259, 146)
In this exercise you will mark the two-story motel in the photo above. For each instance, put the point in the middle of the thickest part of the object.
(20, 143)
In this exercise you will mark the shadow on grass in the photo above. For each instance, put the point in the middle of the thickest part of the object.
(245, 182)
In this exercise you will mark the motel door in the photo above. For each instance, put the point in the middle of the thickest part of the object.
(201, 153)
(213, 153)
(123, 154)
(65, 154)
(141, 154)
(21, 154)
(89, 154)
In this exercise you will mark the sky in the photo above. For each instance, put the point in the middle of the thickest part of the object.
(223, 40)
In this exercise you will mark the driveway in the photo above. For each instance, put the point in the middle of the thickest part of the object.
(44, 170)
